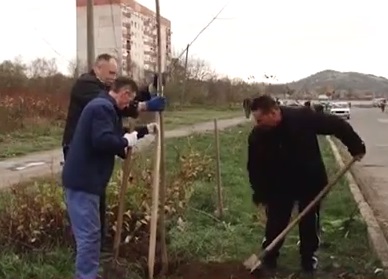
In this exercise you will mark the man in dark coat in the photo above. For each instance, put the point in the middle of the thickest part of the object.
(285, 167)
(87, 87)
(97, 139)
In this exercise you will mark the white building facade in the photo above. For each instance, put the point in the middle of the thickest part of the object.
(126, 29)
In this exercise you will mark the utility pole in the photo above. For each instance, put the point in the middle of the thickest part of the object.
(90, 33)
(183, 94)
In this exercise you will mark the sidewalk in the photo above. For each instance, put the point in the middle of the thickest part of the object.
(44, 163)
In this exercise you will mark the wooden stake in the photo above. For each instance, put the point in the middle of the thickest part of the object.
(183, 93)
(126, 170)
(90, 33)
(220, 205)
(154, 210)
(162, 222)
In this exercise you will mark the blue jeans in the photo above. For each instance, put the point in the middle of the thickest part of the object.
(84, 213)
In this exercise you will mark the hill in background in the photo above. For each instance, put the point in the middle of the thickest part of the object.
(343, 84)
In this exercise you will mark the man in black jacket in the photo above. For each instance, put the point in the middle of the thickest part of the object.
(285, 167)
(87, 87)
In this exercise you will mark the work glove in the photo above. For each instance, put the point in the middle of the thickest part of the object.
(152, 128)
(131, 138)
(157, 103)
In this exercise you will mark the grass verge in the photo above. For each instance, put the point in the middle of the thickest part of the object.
(214, 248)
(42, 135)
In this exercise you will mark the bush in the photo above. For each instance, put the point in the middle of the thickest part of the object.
(34, 216)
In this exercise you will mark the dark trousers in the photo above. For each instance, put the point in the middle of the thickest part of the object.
(102, 206)
(278, 217)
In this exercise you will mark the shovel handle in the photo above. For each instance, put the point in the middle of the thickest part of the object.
(308, 208)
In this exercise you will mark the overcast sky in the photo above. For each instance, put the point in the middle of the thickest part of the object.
(289, 39)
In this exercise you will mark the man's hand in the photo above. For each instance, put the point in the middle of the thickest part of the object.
(258, 199)
(359, 157)
(152, 128)
(131, 138)
(359, 153)
(157, 103)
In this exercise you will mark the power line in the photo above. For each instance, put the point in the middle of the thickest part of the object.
(50, 46)
(199, 34)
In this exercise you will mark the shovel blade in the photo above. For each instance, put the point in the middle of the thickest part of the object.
(252, 263)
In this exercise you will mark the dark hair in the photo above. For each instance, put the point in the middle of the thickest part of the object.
(265, 103)
(121, 82)
(104, 57)
(307, 104)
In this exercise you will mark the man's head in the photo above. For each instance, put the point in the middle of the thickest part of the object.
(123, 90)
(266, 112)
(307, 104)
(105, 68)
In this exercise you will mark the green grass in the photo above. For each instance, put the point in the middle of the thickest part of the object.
(43, 136)
(179, 118)
(202, 237)
(345, 243)
(30, 139)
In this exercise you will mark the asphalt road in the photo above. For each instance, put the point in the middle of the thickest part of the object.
(372, 171)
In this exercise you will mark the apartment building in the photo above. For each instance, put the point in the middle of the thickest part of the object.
(128, 30)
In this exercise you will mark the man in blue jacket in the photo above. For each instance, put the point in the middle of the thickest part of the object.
(87, 87)
(97, 139)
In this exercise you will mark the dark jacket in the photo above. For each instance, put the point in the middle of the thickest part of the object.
(286, 162)
(85, 89)
(98, 138)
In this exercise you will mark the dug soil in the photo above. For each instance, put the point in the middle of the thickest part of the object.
(228, 270)
(137, 252)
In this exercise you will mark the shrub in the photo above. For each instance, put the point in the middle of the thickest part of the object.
(34, 216)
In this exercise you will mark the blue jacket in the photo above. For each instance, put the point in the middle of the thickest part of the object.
(97, 139)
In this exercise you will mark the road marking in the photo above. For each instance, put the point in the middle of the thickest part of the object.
(382, 120)
(26, 165)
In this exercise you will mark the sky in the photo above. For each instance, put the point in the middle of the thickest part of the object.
(287, 39)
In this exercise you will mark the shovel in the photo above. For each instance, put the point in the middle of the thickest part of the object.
(254, 262)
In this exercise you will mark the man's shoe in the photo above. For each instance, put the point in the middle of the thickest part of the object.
(309, 264)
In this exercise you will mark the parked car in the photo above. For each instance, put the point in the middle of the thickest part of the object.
(341, 109)
(377, 102)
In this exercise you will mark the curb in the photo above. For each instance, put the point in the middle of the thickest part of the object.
(376, 236)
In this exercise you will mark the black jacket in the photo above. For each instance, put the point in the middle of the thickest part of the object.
(86, 88)
(286, 161)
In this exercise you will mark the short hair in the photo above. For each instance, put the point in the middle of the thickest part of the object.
(121, 82)
(265, 103)
(104, 57)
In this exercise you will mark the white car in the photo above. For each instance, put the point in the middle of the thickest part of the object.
(377, 101)
(341, 109)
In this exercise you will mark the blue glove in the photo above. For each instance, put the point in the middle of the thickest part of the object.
(157, 103)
